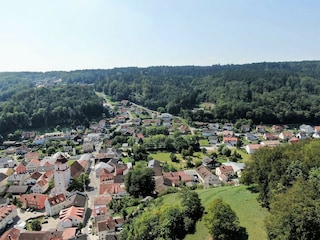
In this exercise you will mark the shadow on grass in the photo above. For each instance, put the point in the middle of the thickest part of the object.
(242, 235)
(253, 188)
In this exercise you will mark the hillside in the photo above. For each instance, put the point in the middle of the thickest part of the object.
(286, 92)
(241, 200)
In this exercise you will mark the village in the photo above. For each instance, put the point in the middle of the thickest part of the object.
(38, 173)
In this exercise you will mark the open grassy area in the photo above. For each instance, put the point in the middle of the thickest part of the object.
(244, 203)
(165, 157)
(241, 200)
(204, 142)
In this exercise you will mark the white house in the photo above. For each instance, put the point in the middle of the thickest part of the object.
(251, 148)
(55, 204)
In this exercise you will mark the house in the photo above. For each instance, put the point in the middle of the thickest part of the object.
(317, 129)
(21, 168)
(156, 166)
(27, 135)
(88, 147)
(237, 167)
(274, 143)
(285, 135)
(11, 234)
(71, 217)
(250, 136)
(76, 169)
(33, 178)
(214, 126)
(8, 214)
(7, 162)
(269, 136)
(102, 201)
(251, 148)
(228, 126)
(55, 204)
(40, 186)
(113, 189)
(17, 190)
(32, 165)
(294, 140)
(109, 228)
(245, 128)
(261, 129)
(33, 200)
(77, 199)
(307, 129)
(213, 139)
(277, 128)
(17, 179)
(102, 165)
(136, 121)
(208, 132)
(208, 162)
(165, 117)
(31, 155)
(206, 177)
(175, 178)
(39, 140)
(230, 141)
(226, 170)
(105, 176)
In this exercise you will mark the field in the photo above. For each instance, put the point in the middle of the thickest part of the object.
(241, 200)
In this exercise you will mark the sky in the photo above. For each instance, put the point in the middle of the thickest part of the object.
(46, 35)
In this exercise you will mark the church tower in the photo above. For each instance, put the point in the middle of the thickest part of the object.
(61, 175)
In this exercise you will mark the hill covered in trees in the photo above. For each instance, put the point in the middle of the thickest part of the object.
(48, 107)
(287, 92)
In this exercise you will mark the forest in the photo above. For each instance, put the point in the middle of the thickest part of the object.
(43, 107)
(285, 92)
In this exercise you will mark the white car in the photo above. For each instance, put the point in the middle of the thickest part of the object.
(89, 231)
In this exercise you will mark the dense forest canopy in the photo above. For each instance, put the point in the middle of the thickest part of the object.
(286, 92)
(49, 106)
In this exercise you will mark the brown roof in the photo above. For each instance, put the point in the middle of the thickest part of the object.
(226, 169)
(102, 200)
(110, 188)
(14, 234)
(6, 209)
(21, 168)
(177, 177)
(40, 198)
(203, 171)
(76, 169)
(61, 159)
(57, 199)
(42, 235)
(108, 224)
(35, 175)
(31, 155)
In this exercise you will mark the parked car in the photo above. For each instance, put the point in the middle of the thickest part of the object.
(45, 221)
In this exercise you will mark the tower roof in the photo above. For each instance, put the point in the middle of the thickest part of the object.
(61, 159)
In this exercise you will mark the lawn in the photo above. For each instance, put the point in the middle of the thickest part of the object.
(241, 200)
(244, 203)
(204, 142)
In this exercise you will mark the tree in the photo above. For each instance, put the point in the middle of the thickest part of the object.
(140, 182)
(35, 225)
(221, 221)
(80, 182)
(295, 214)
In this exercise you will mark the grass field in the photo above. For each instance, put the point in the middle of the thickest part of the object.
(241, 200)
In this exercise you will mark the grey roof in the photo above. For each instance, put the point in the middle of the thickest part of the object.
(17, 189)
(78, 199)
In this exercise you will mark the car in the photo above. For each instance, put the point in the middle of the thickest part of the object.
(9, 222)
(45, 217)
(45, 221)
(28, 209)
(89, 230)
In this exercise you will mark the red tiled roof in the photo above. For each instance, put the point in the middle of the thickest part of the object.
(110, 188)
